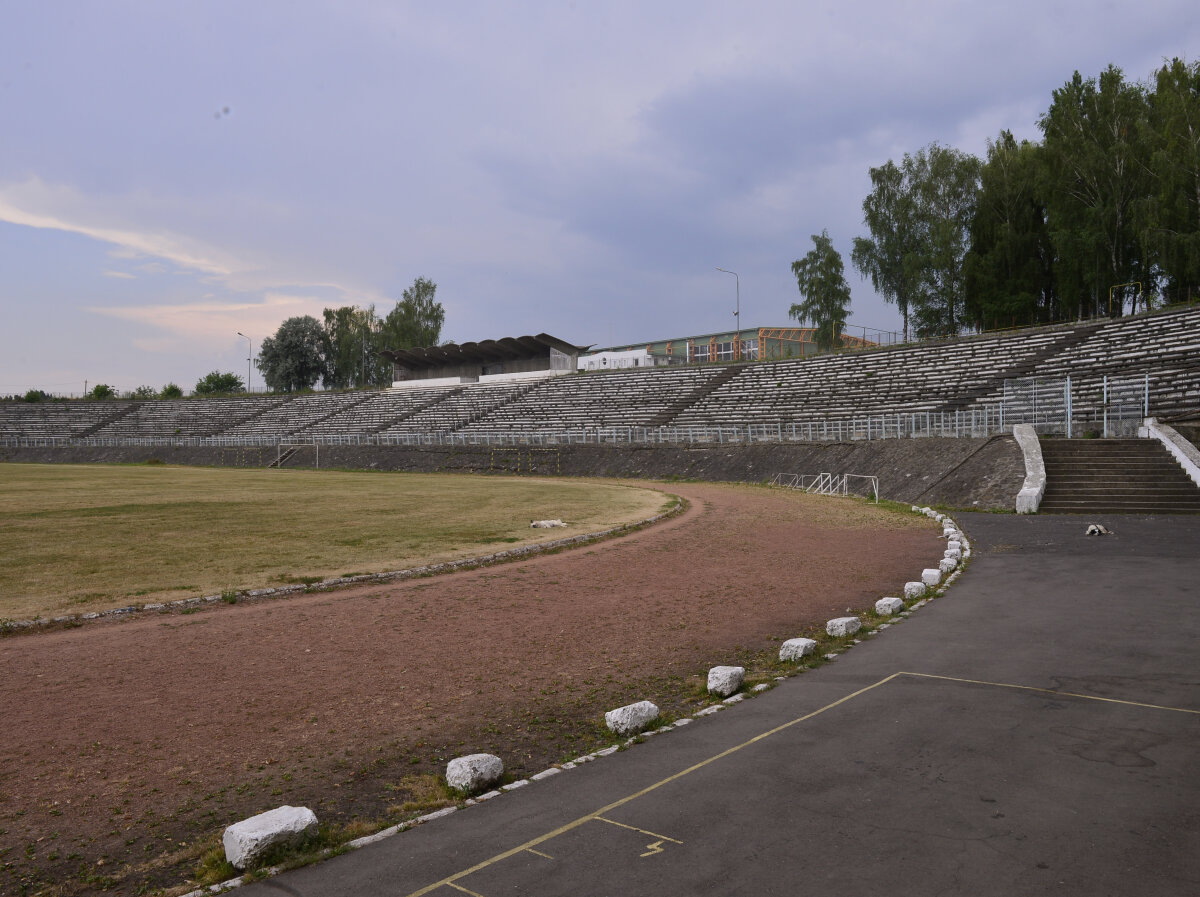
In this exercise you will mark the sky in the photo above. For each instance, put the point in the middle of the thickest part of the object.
(172, 174)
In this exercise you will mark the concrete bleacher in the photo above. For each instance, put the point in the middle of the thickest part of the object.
(185, 417)
(293, 415)
(625, 398)
(380, 411)
(462, 406)
(56, 419)
(907, 379)
(1161, 350)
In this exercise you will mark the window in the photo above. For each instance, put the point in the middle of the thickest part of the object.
(699, 353)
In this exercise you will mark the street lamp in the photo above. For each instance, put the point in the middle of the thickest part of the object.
(249, 355)
(737, 315)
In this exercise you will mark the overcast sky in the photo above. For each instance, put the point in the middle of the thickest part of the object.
(173, 173)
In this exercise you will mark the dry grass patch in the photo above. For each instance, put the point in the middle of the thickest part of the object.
(82, 538)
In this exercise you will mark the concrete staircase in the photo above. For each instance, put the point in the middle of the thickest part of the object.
(1115, 476)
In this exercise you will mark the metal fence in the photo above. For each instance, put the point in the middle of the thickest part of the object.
(1102, 406)
(983, 420)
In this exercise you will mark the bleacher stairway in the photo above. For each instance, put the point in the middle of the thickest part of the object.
(1115, 476)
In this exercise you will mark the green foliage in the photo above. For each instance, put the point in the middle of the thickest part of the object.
(1043, 232)
(101, 391)
(35, 395)
(946, 186)
(171, 391)
(1171, 227)
(416, 320)
(822, 283)
(295, 358)
(1095, 149)
(216, 383)
(144, 392)
(886, 257)
(919, 214)
(1009, 277)
(352, 348)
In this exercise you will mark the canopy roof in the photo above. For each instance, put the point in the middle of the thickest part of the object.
(489, 350)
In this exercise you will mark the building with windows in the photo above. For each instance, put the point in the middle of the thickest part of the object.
(751, 344)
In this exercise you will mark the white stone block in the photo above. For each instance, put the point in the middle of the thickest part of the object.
(247, 840)
(931, 576)
(796, 649)
(947, 565)
(914, 590)
(474, 772)
(955, 553)
(631, 718)
(887, 606)
(724, 681)
(954, 543)
(841, 626)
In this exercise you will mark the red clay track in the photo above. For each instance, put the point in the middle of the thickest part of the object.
(122, 739)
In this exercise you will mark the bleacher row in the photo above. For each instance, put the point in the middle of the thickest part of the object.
(1163, 349)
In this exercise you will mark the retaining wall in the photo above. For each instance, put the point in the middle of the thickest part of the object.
(964, 473)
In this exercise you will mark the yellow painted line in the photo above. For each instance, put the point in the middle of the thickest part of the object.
(542, 839)
(538, 853)
(634, 828)
(461, 888)
(1051, 691)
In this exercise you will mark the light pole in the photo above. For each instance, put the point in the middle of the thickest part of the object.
(249, 355)
(737, 315)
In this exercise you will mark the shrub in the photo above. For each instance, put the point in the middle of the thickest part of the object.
(102, 391)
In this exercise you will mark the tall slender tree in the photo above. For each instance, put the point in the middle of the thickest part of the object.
(1009, 269)
(416, 320)
(1094, 147)
(946, 186)
(822, 282)
(886, 257)
(1172, 230)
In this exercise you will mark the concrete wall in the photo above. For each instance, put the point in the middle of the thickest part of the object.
(960, 473)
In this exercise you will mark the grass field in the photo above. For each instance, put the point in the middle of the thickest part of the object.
(80, 538)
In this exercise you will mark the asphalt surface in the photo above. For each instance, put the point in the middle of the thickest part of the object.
(1036, 730)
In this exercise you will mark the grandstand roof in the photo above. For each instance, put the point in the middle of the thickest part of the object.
(503, 349)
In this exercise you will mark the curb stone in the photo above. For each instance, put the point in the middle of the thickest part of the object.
(554, 770)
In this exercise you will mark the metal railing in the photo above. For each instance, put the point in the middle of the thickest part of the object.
(825, 483)
(984, 420)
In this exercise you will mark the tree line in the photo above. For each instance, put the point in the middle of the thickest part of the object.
(342, 351)
(1101, 215)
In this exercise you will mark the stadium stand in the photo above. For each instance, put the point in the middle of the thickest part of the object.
(631, 397)
(186, 417)
(379, 411)
(1158, 351)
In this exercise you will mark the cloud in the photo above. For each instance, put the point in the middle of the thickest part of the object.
(36, 204)
(124, 275)
(213, 320)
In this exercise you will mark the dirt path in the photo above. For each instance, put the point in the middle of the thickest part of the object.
(129, 742)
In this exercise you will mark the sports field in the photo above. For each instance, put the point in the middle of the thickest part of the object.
(85, 538)
(165, 727)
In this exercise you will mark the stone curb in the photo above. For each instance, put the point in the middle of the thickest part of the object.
(552, 771)
(485, 560)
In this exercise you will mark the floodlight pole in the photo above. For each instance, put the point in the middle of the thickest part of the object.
(737, 315)
(249, 355)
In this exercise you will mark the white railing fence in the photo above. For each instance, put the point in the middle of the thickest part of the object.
(826, 483)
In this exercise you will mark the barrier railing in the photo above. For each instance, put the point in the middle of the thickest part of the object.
(984, 420)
